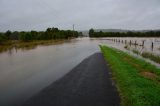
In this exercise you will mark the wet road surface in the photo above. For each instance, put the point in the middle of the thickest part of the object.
(88, 84)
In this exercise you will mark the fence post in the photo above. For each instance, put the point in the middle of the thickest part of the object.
(152, 46)
(130, 42)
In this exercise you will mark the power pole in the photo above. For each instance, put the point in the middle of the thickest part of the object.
(73, 30)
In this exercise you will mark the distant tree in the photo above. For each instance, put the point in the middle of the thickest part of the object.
(34, 35)
(55, 29)
(14, 36)
(80, 34)
(101, 34)
(50, 33)
(124, 34)
(8, 33)
(3, 38)
(91, 32)
(26, 36)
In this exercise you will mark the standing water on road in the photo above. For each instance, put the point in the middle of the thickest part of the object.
(23, 73)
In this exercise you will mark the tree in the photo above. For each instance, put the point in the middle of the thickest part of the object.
(50, 33)
(26, 36)
(34, 35)
(14, 35)
(8, 33)
(91, 32)
(2, 38)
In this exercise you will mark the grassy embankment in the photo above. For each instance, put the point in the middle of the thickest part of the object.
(148, 55)
(27, 45)
(151, 56)
(138, 82)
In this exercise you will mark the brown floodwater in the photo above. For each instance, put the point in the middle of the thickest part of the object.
(24, 72)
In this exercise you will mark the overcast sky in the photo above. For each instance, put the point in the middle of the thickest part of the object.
(85, 14)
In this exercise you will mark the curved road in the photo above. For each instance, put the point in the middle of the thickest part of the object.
(88, 84)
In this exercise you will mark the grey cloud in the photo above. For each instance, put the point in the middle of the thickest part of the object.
(85, 14)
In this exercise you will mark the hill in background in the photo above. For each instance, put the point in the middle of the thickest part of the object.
(86, 32)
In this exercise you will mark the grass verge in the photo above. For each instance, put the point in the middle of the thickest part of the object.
(151, 56)
(136, 51)
(138, 82)
(148, 55)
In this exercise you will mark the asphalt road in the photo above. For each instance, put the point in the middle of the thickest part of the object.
(88, 84)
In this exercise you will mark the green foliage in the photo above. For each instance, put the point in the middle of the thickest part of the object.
(3, 38)
(136, 51)
(14, 36)
(49, 34)
(7, 34)
(148, 55)
(92, 33)
(135, 89)
(80, 34)
(53, 33)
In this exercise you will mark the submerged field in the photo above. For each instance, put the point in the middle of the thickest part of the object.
(9, 45)
(31, 66)
(138, 82)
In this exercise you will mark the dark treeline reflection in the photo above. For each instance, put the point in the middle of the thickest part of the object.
(93, 33)
(49, 34)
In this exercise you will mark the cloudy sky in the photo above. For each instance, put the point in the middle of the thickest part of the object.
(85, 14)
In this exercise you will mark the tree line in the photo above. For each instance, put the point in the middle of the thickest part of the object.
(49, 34)
(92, 33)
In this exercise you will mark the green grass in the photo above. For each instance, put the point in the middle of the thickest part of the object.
(135, 88)
(153, 57)
(136, 51)
(148, 55)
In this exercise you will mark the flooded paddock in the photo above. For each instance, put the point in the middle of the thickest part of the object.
(24, 72)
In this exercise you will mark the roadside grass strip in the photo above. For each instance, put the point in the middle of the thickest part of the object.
(138, 81)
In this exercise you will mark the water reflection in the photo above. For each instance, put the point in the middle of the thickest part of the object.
(25, 46)
(24, 72)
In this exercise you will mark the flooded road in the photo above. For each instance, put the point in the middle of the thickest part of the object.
(23, 73)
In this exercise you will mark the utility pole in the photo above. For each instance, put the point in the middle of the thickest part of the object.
(73, 30)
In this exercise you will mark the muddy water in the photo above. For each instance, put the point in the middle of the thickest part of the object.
(142, 44)
(23, 73)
